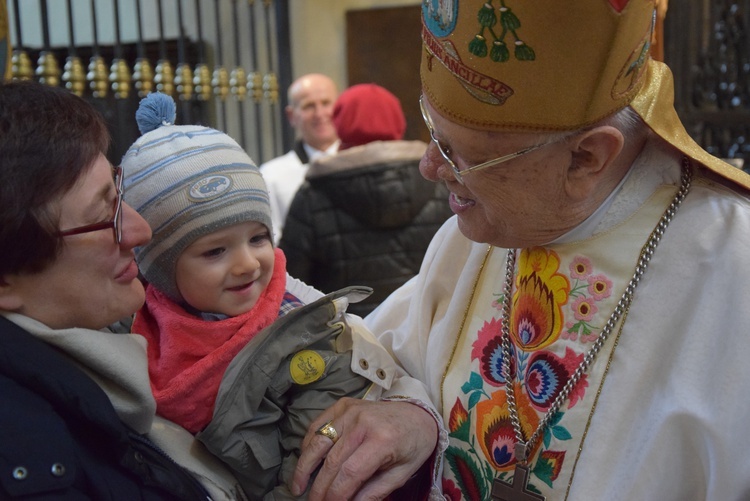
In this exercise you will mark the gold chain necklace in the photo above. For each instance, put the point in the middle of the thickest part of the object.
(517, 490)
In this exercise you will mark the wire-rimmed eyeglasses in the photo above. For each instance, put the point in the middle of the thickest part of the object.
(445, 151)
(115, 223)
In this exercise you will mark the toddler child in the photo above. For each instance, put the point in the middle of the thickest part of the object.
(218, 299)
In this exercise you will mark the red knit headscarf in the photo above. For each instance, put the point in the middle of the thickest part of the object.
(365, 113)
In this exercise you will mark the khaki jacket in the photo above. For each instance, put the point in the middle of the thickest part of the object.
(283, 379)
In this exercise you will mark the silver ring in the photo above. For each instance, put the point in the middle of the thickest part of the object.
(327, 430)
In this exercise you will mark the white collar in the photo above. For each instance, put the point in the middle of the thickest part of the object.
(314, 153)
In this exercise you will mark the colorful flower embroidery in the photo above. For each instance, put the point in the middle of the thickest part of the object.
(458, 423)
(584, 309)
(588, 289)
(482, 435)
(548, 466)
(537, 303)
(488, 350)
(572, 360)
(545, 378)
(450, 491)
(495, 431)
(600, 287)
(497, 303)
(467, 474)
(580, 268)
(546, 374)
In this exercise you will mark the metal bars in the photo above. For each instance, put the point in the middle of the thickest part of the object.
(135, 47)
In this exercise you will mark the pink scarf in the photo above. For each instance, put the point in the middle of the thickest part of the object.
(187, 356)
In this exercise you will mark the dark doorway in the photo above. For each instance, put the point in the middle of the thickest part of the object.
(384, 47)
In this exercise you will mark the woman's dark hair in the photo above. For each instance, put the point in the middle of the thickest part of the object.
(49, 137)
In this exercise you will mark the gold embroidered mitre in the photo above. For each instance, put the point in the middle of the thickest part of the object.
(549, 65)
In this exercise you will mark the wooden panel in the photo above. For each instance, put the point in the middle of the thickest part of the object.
(383, 46)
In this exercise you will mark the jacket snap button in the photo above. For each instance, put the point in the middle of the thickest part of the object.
(363, 363)
(138, 457)
(20, 473)
(58, 469)
(380, 373)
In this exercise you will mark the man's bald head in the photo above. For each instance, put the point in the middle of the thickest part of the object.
(311, 98)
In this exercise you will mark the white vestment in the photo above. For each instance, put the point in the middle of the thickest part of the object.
(283, 176)
(664, 411)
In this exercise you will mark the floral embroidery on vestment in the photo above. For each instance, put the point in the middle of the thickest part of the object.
(557, 310)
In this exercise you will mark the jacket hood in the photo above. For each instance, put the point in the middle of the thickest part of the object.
(378, 183)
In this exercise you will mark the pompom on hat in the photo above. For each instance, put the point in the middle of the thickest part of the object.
(364, 113)
(548, 66)
(186, 181)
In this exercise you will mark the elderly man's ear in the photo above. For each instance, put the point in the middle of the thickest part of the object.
(594, 160)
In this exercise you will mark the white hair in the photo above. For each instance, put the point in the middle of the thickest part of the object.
(626, 121)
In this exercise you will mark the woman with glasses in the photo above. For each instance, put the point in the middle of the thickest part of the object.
(77, 418)
(581, 323)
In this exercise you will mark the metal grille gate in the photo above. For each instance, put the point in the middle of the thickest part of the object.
(223, 61)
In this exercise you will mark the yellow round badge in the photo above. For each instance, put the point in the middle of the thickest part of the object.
(307, 366)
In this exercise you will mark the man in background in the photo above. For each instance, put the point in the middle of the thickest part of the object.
(311, 98)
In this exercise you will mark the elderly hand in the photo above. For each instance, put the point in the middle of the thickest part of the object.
(380, 445)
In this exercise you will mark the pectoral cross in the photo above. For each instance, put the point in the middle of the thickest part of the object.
(517, 490)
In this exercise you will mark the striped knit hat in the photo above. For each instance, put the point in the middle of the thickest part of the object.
(186, 181)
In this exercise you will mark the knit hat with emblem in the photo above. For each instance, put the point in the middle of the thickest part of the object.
(186, 181)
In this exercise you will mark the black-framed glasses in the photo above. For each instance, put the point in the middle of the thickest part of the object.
(115, 223)
(445, 152)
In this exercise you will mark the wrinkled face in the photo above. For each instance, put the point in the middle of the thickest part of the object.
(518, 203)
(310, 111)
(94, 281)
(227, 270)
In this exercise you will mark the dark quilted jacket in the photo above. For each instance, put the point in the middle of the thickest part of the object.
(364, 217)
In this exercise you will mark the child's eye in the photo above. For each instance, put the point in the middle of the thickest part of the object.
(214, 252)
(260, 238)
